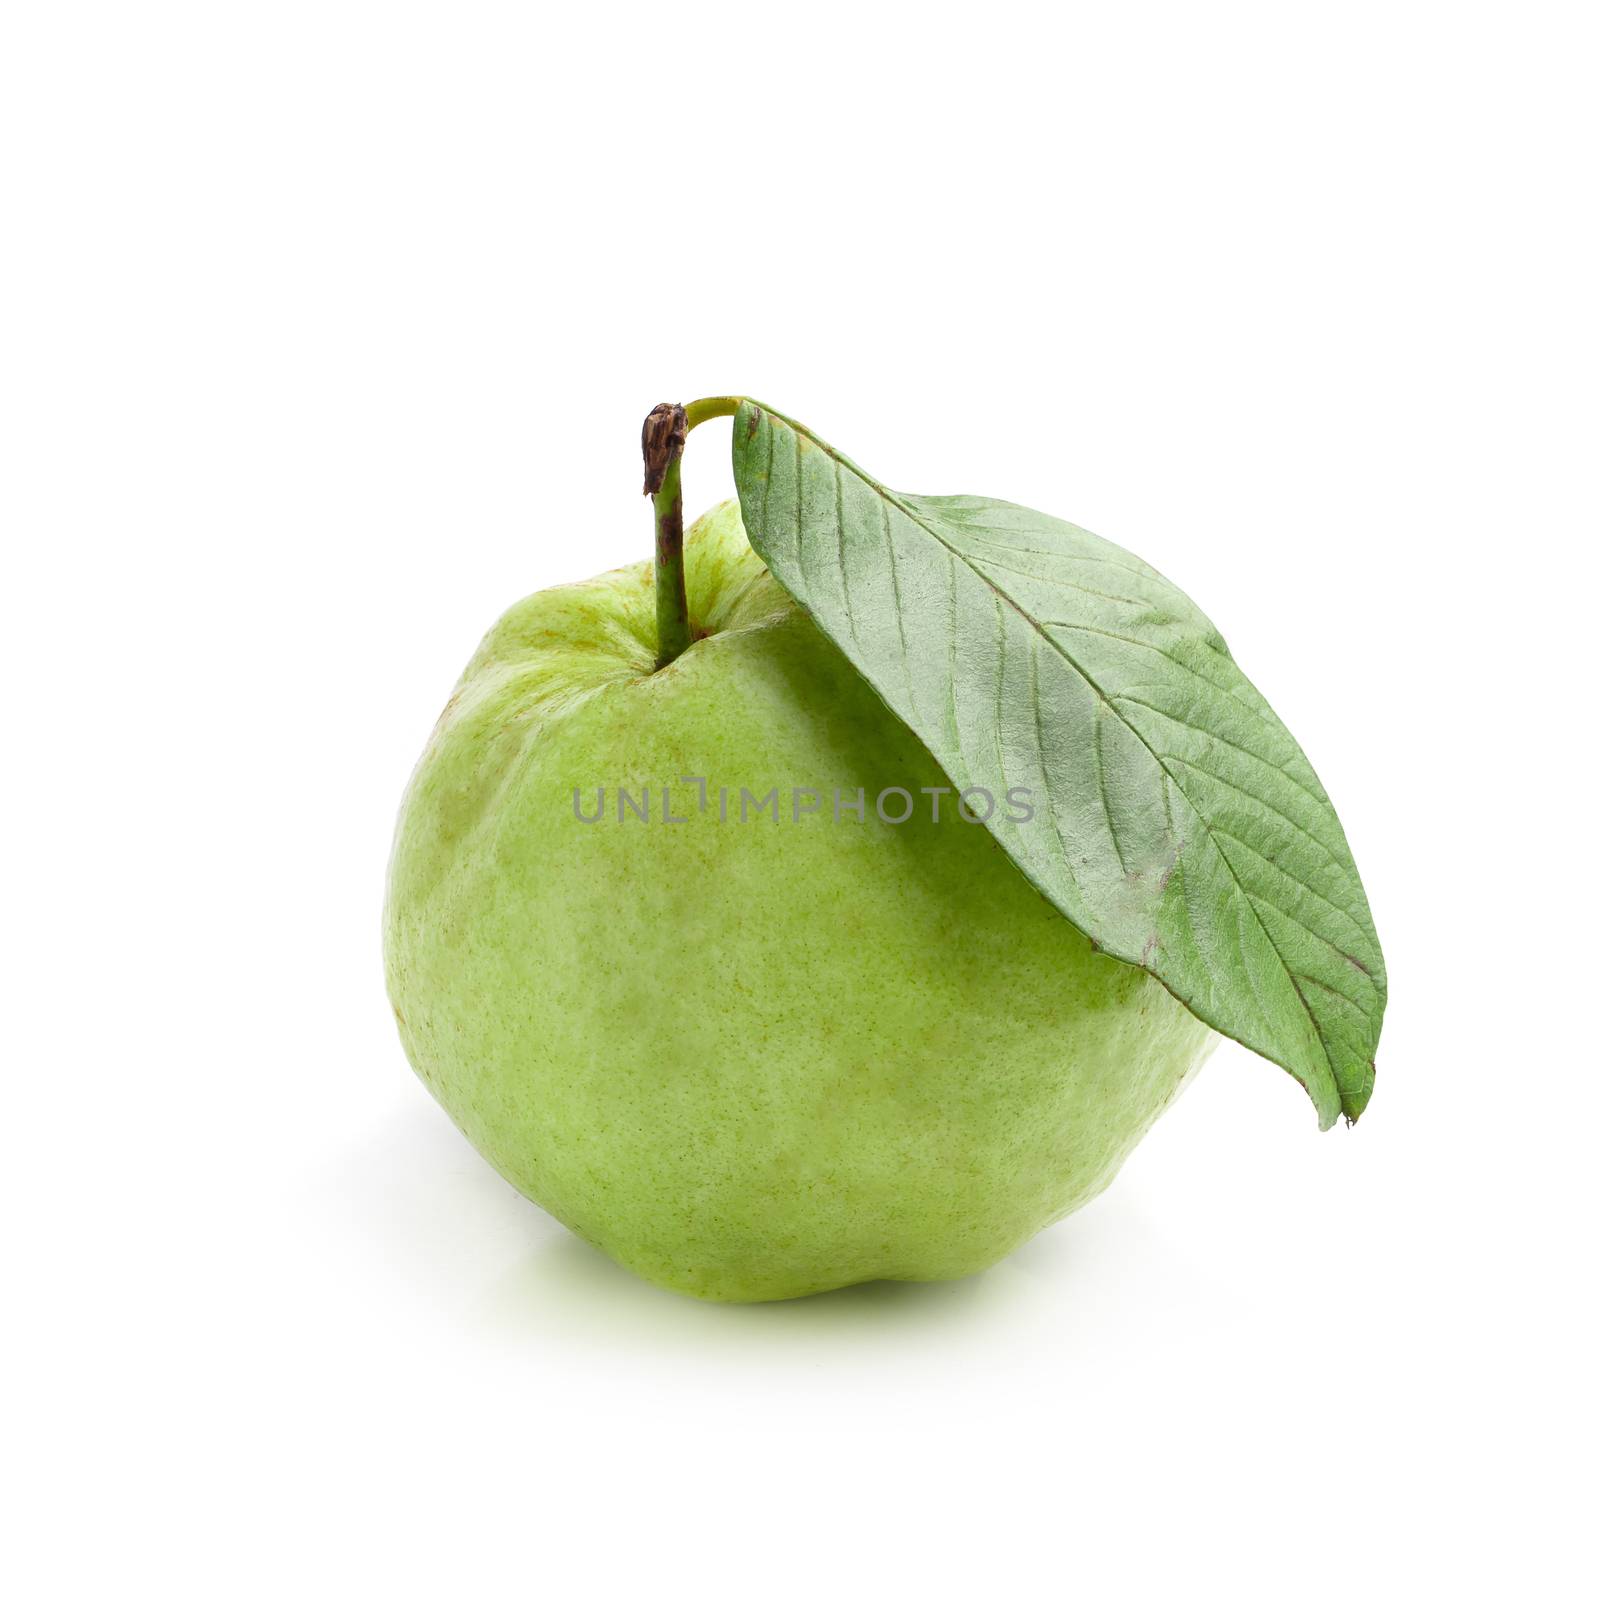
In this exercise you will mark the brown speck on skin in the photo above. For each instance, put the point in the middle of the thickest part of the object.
(754, 422)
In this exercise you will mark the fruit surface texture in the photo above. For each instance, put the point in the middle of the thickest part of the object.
(766, 1056)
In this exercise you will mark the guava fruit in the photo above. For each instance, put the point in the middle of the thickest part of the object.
(656, 942)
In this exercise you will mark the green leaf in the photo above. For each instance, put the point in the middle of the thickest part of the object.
(1177, 822)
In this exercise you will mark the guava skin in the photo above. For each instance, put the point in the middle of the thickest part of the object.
(749, 1060)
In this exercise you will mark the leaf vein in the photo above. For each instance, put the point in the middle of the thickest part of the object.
(1310, 794)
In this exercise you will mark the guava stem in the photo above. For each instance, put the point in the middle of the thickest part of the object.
(665, 431)
(673, 633)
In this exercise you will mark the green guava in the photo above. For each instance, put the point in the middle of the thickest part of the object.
(657, 947)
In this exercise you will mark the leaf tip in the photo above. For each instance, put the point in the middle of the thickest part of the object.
(1355, 1101)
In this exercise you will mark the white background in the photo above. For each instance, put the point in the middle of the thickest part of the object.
(327, 332)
